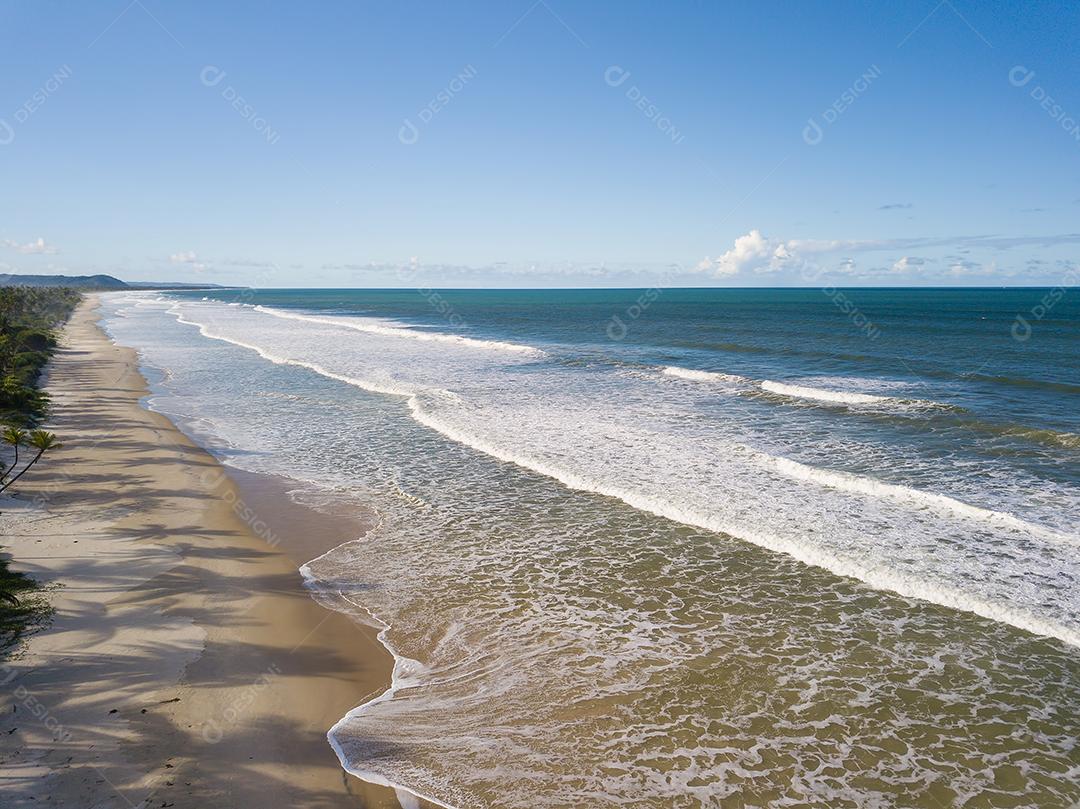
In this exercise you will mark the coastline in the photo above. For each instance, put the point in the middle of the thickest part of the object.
(186, 662)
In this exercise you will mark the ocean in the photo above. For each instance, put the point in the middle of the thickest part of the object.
(675, 547)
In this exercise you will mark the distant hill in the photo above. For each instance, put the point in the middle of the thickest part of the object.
(91, 282)
(76, 281)
(172, 285)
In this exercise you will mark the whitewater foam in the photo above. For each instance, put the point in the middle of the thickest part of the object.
(403, 674)
(374, 327)
(875, 576)
(702, 376)
(808, 553)
(846, 481)
(805, 392)
(822, 394)
(556, 629)
(374, 387)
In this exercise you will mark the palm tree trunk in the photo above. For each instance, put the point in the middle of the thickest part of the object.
(24, 470)
(11, 468)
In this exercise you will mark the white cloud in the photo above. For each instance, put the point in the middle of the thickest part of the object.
(807, 246)
(757, 253)
(962, 266)
(908, 263)
(807, 260)
(189, 258)
(38, 247)
(248, 262)
(752, 251)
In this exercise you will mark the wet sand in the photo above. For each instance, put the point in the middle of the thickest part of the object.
(185, 665)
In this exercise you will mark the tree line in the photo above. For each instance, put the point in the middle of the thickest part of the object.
(30, 319)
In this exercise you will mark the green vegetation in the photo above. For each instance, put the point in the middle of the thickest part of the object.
(39, 440)
(22, 605)
(29, 319)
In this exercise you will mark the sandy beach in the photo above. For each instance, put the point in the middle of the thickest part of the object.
(185, 665)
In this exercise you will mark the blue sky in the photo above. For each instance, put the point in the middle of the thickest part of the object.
(548, 143)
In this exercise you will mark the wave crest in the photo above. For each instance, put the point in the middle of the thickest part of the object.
(374, 327)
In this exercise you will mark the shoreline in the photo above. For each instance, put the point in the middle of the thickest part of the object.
(186, 661)
(264, 493)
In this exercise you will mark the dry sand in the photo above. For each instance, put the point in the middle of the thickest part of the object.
(185, 665)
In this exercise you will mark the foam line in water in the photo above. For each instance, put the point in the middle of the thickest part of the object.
(366, 325)
(702, 376)
(791, 391)
(821, 394)
(399, 677)
(804, 392)
(374, 387)
(894, 581)
(848, 482)
(401, 663)
(797, 548)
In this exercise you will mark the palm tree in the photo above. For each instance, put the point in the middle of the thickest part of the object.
(16, 436)
(42, 441)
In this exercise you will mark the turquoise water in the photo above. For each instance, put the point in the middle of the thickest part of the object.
(677, 547)
(960, 343)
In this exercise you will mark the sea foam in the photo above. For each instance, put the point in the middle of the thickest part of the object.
(822, 394)
(569, 571)
(426, 404)
(373, 326)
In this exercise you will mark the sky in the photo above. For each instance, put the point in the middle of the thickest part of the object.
(535, 143)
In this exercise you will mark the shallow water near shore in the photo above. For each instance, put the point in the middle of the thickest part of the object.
(742, 555)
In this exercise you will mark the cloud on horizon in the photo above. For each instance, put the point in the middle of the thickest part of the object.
(189, 258)
(809, 259)
(38, 247)
(751, 252)
(907, 263)
(248, 262)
